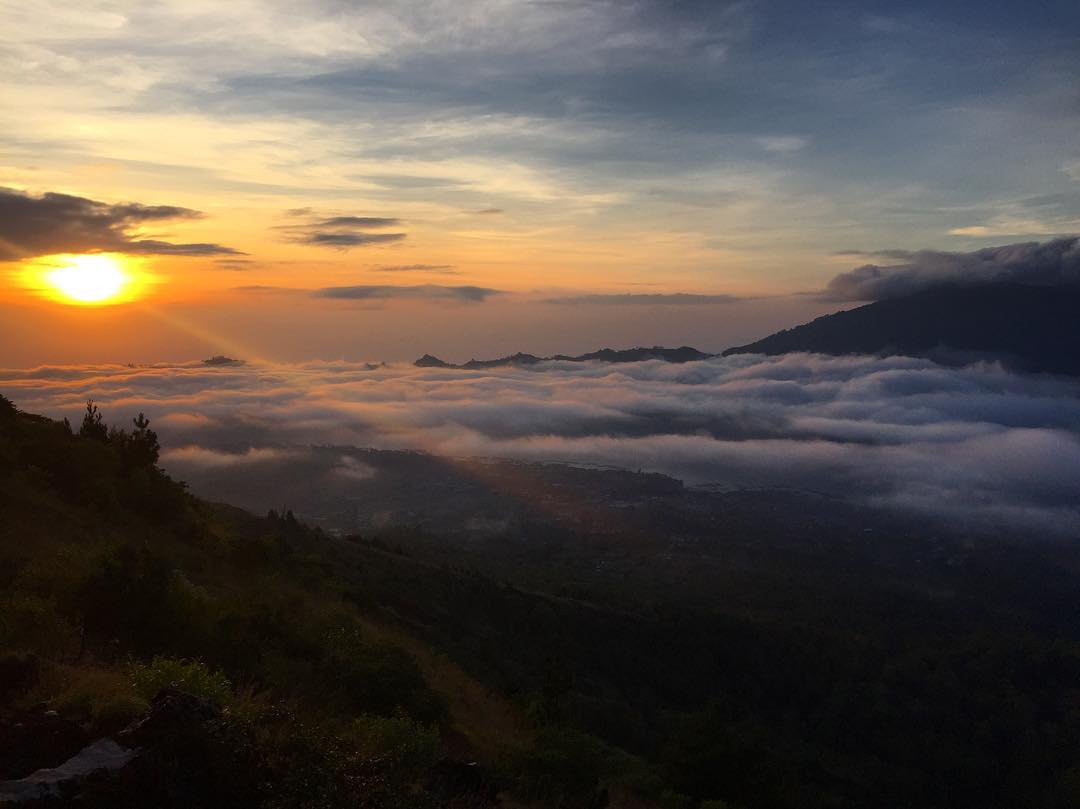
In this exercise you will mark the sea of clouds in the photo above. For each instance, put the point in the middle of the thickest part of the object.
(978, 445)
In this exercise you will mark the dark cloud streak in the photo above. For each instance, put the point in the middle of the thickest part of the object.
(469, 294)
(341, 232)
(62, 223)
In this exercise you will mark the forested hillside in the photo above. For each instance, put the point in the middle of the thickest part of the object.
(757, 670)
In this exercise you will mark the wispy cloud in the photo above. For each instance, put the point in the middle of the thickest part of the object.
(340, 232)
(783, 144)
(470, 294)
(438, 269)
(646, 299)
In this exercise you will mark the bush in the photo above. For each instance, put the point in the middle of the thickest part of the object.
(30, 623)
(190, 676)
(562, 766)
(136, 598)
(396, 740)
(101, 699)
(375, 677)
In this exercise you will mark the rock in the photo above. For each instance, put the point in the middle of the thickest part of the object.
(167, 741)
(104, 754)
(173, 714)
(461, 783)
(30, 740)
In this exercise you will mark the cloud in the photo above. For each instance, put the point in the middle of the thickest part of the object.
(978, 445)
(320, 239)
(646, 299)
(209, 458)
(441, 269)
(423, 291)
(1051, 263)
(61, 223)
(782, 144)
(341, 232)
(488, 211)
(269, 289)
(236, 264)
(358, 222)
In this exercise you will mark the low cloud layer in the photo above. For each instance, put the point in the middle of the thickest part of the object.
(978, 444)
(60, 223)
(1051, 263)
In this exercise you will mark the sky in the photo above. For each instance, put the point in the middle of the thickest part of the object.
(330, 180)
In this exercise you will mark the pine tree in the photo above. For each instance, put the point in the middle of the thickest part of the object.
(92, 425)
(144, 443)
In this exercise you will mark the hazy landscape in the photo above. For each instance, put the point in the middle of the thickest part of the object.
(530, 404)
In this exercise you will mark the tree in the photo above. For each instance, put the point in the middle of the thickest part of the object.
(92, 425)
(144, 446)
(7, 408)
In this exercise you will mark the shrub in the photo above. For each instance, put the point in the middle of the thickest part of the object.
(396, 740)
(191, 676)
(30, 623)
(370, 676)
(100, 698)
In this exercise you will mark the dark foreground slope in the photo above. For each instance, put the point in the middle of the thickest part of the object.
(1028, 328)
(774, 660)
(116, 584)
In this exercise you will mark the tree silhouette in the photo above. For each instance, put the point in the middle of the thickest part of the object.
(7, 407)
(143, 444)
(92, 425)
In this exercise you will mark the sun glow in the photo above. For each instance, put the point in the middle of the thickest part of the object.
(98, 279)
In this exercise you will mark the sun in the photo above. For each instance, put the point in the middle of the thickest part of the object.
(89, 279)
(96, 279)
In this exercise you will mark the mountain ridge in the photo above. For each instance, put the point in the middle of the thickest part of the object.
(1025, 327)
(637, 354)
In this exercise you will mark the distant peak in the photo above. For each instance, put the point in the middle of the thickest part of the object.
(639, 354)
(429, 361)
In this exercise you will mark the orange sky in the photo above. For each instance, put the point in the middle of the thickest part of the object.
(380, 180)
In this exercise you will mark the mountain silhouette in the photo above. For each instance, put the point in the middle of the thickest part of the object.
(639, 354)
(1025, 327)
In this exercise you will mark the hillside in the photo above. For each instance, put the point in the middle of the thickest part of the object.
(116, 583)
(770, 653)
(1028, 328)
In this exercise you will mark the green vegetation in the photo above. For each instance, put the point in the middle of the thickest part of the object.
(116, 584)
(769, 675)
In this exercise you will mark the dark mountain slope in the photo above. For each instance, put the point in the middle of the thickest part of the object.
(762, 661)
(1028, 328)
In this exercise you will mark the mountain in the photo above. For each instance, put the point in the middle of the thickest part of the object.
(769, 651)
(1026, 327)
(639, 354)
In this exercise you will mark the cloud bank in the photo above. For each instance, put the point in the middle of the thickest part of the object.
(1051, 263)
(978, 445)
(60, 223)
